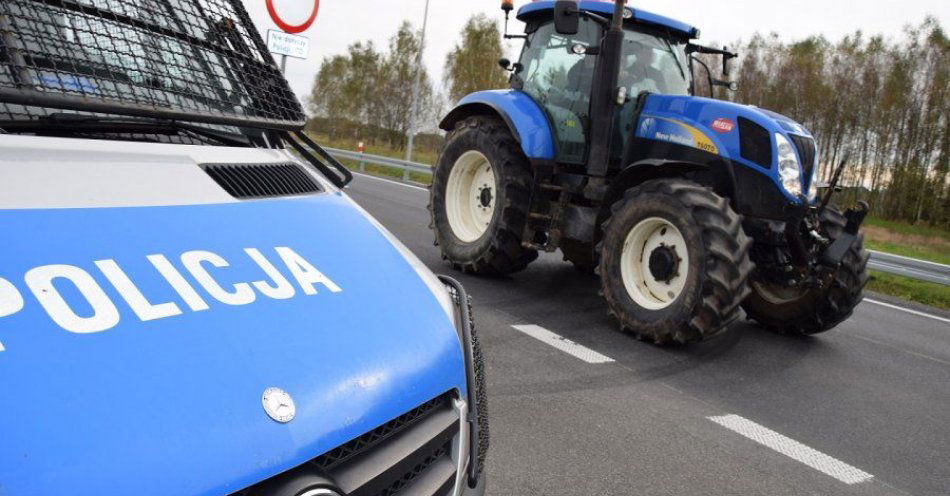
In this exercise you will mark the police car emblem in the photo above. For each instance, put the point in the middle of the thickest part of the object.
(278, 405)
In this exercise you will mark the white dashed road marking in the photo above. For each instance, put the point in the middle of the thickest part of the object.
(914, 312)
(566, 345)
(793, 449)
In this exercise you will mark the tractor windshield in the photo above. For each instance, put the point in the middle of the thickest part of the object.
(653, 63)
(559, 75)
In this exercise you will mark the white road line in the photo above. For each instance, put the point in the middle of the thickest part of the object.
(915, 312)
(390, 181)
(566, 345)
(793, 449)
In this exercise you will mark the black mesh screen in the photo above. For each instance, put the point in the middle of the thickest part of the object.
(248, 181)
(367, 441)
(195, 60)
(481, 392)
(755, 144)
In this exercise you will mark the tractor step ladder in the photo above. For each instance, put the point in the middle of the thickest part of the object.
(544, 213)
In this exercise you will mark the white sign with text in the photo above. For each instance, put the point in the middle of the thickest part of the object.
(288, 44)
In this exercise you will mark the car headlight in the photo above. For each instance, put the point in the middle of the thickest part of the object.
(789, 170)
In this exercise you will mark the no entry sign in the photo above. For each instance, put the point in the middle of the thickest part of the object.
(293, 16)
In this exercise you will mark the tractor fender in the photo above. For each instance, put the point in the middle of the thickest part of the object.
(647, 169)
(526, 120)
(717, 174)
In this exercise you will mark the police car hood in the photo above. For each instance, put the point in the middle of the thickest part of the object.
(154, 384)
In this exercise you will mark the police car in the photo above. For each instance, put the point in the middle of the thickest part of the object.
(189, 302)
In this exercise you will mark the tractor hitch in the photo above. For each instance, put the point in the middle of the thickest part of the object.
(833, 255)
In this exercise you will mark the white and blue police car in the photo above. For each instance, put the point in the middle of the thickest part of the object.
(189, 302)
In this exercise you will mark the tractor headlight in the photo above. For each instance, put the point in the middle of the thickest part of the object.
(789, 170)
(813, 183)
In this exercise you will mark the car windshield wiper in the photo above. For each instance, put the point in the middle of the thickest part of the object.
(62, 124)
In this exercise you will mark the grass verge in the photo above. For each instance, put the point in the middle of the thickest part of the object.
(915, 241)
(908, 229)
(419, 155)
(918, 252)
(926, 293)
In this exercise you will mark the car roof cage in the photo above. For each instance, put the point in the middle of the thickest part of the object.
(192, 60)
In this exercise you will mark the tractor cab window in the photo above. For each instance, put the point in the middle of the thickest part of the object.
(560, 79)
(649, 63)
(653, 63)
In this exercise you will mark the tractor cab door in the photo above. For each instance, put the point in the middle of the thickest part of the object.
(651, 62)
(559, 79)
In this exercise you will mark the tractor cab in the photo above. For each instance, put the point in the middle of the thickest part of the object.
(558, 69)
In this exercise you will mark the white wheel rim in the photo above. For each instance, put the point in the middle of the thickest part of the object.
(642, 285)
(470, 196)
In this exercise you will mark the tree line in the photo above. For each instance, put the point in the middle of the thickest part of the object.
(366, 93)
(887, 100)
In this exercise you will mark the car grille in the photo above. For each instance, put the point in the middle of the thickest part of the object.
(247, 181)
(806, 152)
(411, 454)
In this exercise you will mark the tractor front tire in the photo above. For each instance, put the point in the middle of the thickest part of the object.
(479, 199)
(674, 262)
(815, 310)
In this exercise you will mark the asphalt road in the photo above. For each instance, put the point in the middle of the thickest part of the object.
(864, 409)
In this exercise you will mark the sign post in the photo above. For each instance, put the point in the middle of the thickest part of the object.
(292, 17)
(415, 87)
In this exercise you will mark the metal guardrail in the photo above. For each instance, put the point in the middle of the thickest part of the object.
(912, 268)
(395, 163)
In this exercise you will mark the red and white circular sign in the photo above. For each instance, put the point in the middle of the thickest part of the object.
(293, 16)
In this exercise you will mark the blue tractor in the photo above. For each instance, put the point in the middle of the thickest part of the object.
(688, 208)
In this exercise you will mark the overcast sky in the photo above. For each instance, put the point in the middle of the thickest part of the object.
(343, 22)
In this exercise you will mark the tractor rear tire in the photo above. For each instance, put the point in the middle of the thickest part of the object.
(818, 309)
(479, 199)
(674, 262)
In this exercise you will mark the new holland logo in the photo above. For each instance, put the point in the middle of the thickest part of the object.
(91, 310)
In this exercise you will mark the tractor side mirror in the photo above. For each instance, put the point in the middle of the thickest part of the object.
(504, 63)
(731, 85)
(726, 61)
(567, 18)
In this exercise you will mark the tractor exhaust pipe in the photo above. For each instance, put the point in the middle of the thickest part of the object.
(617, 21)
(604, 95)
